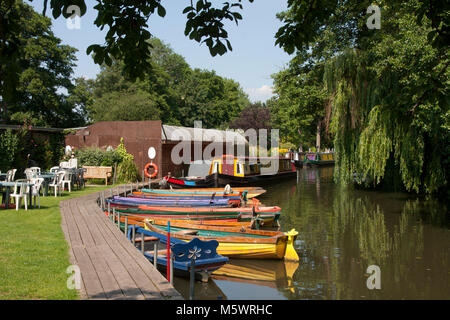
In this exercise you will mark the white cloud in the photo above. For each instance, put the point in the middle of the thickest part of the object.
(259, 94)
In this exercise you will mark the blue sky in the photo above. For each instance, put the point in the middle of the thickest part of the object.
(252, 62)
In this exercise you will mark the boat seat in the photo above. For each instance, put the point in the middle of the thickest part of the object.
(138, 239)
(187, 232)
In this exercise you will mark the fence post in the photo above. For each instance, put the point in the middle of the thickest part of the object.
(118, 220)
(133, 235)
(142, 242)
(126, 225)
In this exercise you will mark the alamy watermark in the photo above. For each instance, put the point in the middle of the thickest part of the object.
(74, 280)
(251, 144)
(374, 21)
(374, 280)
(74, 21)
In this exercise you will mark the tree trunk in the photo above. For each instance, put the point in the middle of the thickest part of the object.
(318, 136)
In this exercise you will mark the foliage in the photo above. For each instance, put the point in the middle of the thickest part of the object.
(171, 91)
(97, 157)
(35, 69)
(383, 94)
(255, 116)
(9, 145)
(126, 170)
(299, 105)
(128, 35)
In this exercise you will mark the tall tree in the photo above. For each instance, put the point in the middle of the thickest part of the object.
(35, 69)
(255, 116)
(386, 89)
(170, 91)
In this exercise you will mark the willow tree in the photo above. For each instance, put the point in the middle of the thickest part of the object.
(387, 89)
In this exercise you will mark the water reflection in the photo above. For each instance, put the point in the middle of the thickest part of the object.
(342, 232)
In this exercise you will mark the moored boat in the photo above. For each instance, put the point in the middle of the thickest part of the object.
(236, 242)
(240, 171)
(134, 202)
(251, 192)
(267, 216)
(201, 255)
(255, 222)
(319, 158)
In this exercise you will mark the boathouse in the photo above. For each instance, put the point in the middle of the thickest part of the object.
(140, 136)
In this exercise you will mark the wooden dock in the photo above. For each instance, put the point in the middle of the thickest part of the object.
(111, 267)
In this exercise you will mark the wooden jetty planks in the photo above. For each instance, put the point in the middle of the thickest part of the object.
(111, 267)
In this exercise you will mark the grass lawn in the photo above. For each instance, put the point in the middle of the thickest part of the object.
(34, 254)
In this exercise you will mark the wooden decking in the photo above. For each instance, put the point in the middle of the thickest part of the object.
(111, 267)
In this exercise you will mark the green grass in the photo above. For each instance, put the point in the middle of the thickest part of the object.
(34, 254)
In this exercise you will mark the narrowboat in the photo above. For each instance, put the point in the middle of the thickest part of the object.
(318, 158)
(239, 171)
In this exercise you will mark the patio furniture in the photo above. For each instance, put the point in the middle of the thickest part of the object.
(36, 170)
(57, 182)
(20, 191)
(77, 178)
(54, 169)
(7, 185)
(48, 178)
(93, 172)
(37, 185)
(73, 163)
(64, 164)
(67, 179)
(29, 174)
(10, 175)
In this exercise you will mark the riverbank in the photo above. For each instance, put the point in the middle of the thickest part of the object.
(34, 254)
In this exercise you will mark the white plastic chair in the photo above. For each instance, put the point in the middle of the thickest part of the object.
(67, 179)
(20, 191)
(57, 182)
(29, 173)
(73, 163)
(64, 164)
(36, 170)
(35, 189)
(54, 169)
(10, 175)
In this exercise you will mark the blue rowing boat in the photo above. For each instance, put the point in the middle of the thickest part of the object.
(201, 254)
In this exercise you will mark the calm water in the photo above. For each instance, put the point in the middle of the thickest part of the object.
(341, 233)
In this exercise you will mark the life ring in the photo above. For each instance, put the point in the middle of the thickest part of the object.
(148, 165)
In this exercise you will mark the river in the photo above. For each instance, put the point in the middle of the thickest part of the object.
(343, 231)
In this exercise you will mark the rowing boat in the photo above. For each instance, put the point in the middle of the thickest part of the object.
(252, 223)
(266, 217)
(235, 242)
(201, 255)
(251, 191)
(134, 202)
(162, 196)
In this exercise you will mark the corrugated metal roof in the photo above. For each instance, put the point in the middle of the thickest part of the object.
(175, 133)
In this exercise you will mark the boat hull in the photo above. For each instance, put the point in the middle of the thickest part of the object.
(243, 244)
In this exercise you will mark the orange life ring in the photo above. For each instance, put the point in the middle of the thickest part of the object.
(148, 165)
